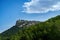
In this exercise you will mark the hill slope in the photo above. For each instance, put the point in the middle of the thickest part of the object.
(34, 30)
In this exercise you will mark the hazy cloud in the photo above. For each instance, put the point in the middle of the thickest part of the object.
(41, 6)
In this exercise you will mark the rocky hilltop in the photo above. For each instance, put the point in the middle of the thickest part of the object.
(21, 23)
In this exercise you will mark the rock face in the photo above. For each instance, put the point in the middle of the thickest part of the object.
(21, 23)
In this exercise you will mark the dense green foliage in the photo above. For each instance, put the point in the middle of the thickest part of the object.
(48, 30)
(0, 36)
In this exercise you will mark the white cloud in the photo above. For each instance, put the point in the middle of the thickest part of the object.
(41, 6)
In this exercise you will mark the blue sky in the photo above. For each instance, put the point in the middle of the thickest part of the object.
(40, 10)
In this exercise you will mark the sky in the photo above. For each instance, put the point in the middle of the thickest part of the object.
(39, 10)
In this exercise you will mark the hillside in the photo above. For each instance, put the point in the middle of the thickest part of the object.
(18, 26)
(34, 30)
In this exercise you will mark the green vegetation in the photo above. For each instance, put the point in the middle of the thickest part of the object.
(0, 36)
(48, 30)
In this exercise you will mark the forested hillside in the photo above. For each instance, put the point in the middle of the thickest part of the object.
(34, 30)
